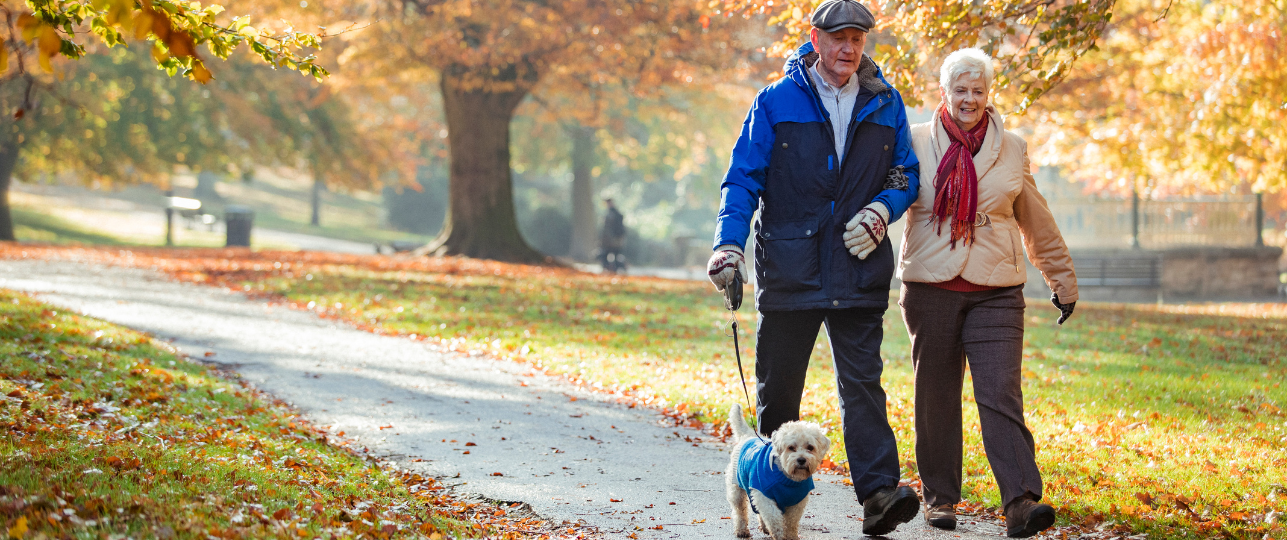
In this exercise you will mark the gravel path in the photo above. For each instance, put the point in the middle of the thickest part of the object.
(566, 452)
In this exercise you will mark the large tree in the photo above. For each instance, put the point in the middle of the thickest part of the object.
(489, 56)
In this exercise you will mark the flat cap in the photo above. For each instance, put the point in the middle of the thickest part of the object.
(833, 15)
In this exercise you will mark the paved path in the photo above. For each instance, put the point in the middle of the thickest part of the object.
(564, 451)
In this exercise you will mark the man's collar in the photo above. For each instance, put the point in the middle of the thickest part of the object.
(818, 78)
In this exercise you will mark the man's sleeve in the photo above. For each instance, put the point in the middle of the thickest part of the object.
(744, 181)
(899, 200)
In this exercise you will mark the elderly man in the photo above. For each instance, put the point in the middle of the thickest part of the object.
(825, 155)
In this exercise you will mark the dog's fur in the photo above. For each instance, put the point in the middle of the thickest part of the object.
(798, 450)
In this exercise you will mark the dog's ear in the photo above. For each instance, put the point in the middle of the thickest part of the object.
(824, 445)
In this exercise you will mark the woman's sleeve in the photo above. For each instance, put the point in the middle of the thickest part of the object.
(1045, 245)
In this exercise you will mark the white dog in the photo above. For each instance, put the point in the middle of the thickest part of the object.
(773, 479)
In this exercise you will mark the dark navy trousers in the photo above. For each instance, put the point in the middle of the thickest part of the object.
(784, 343)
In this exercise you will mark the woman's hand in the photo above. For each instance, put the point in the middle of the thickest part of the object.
(1065, 310)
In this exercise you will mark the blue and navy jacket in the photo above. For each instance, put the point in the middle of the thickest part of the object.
(756, 470)
(785, 165)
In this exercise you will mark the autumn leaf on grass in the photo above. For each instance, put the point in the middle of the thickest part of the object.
(19, 529)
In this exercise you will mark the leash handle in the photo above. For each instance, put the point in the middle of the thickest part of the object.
(733, 292)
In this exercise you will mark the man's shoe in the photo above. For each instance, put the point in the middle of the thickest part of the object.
(888, 508)
(1025, 517)
(942, 516)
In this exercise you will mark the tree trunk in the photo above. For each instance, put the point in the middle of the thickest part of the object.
(583, 218)
(8, 161)
(318, 186)
(480, 215)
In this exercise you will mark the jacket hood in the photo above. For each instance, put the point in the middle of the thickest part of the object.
(797, 65)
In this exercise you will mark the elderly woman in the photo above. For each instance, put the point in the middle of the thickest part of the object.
(962, 296)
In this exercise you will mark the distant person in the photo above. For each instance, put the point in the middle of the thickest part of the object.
(825, 155)
(612, 240)
(963, 274)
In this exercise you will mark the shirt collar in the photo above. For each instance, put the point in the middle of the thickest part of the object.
(851, 84)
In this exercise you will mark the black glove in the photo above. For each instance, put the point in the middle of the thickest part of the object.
(1065, 310)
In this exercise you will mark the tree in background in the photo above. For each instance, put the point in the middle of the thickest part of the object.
(1179, 97)
(39, 32)
(489, 56)
(660, 157)
(585, 101)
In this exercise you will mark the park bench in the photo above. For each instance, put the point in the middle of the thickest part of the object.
(1120, 271)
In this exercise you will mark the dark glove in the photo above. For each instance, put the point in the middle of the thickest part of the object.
(1065, 310)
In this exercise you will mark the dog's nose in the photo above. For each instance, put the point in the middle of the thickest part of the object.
(801, 461)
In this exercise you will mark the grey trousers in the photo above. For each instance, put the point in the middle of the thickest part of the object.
(985, 329)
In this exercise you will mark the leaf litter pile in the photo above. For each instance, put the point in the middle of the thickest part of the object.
(105, 432)
(1162, 420)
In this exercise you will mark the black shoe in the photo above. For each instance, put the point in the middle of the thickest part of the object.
(888, 508)
(1026, 517)
(942, 516)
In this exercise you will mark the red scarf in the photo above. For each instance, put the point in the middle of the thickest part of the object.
(956, 192)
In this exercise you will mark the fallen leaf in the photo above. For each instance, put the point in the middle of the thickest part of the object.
(19, 529)
(497, 474)
(614, 500)
(470, 444)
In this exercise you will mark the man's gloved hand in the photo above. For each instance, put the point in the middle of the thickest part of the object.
(724, 262)
(1065, 310)
(866, 230)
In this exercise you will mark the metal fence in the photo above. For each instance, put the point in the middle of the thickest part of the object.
(1108, 223)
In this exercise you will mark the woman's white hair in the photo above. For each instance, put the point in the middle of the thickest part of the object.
(972, 61)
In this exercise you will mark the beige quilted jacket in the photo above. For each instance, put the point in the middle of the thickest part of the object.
(1009, 208)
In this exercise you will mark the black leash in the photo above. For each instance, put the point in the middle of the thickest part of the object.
(732, 302)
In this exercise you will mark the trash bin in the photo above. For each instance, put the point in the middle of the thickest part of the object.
(239, 220)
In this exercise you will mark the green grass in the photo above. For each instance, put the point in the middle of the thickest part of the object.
(32, 226)
(352, 233)
(1151, 419)
(107, 432)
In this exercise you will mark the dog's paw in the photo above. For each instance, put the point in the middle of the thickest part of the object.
(764, 528)
(744, 533)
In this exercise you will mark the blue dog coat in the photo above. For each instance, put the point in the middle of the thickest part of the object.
(756, 470)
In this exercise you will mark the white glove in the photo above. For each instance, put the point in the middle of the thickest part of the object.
(724, 262)
(866, 230)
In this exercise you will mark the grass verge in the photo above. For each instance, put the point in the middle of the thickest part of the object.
(1164, 420)
(34, 226)
(105, 432)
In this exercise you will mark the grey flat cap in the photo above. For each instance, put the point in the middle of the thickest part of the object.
(833, 15)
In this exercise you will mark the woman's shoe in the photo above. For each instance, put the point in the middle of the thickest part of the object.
(1025, 517)
(942, 516)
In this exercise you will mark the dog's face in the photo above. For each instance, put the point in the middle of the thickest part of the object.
(799, 448)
